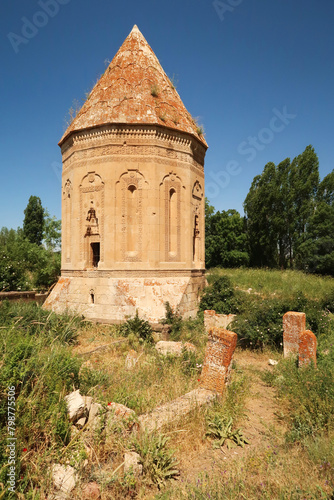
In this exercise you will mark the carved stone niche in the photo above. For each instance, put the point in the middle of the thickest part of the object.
(92, 220)
(198, 221)
(170, 190)
(66, 220)
(129, 199)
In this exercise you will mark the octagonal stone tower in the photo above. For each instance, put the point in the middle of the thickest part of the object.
(132, 196)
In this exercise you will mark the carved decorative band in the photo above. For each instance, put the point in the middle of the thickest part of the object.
(152, 274)
(124, 132)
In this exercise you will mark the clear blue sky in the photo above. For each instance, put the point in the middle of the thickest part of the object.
(259, 74)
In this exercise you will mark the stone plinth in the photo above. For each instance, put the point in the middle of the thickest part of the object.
(98, 296)
(218, 359)
(307, 349)
(293, 324)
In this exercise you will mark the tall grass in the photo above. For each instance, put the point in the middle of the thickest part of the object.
(35, 360)
(282, 283)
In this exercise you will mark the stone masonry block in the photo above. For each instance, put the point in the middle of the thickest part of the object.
(307, 348)
(211, 320)
(293, 324)
(218, 359)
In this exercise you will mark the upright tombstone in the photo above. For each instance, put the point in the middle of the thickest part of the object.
(293, 324)
(307, 349)
(218, 359)
(132, 196)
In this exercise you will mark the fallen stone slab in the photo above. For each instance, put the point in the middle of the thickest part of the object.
(294, 323)
(175, 410)
(171, 348)
(132, 463)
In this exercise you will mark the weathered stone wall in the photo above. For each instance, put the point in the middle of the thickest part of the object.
(29, 296)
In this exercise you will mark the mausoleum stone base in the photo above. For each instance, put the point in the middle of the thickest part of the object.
(115, 298)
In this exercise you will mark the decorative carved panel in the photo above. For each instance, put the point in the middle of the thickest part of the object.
(91, 228)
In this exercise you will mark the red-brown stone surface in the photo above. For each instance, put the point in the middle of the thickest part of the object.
(307, 348)
(134, 89)
(218, 359)
(293, 324)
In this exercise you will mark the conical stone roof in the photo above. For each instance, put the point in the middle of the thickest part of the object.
(134, 89)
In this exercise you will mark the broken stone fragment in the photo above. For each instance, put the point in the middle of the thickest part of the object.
(120, 414)
(272, 362)
(64, 477)
(76, 406)
(131, 359)
(91, 491)
(95, 417)
(211, 320)
(173, 348)
(88, 401)
(132, 463)
(81, 422)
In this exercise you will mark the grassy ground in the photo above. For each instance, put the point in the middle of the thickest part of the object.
(282, 283)
(287, 414)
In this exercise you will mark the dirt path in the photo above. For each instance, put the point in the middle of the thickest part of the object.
(260, 424)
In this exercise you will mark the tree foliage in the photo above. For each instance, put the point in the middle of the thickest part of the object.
(279, 207)
(33, 224)
(25, 263)
(225, 238)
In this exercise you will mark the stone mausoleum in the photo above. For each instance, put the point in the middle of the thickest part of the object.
(132, 196)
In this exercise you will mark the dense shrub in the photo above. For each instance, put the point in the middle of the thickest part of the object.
(221, 296)
(262, 323)
(138, 327)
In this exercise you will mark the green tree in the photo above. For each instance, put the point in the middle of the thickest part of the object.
(304, 185)
(33, 224)
(316, 252)
(260, 208)
(225, 238)
(278, 207)
(52, 231)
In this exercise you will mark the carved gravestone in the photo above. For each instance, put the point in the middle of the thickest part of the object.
(293, 324)
(218, 359)
(307, 349)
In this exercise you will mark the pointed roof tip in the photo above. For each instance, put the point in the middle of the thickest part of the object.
(135, 28)
(124, 94)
